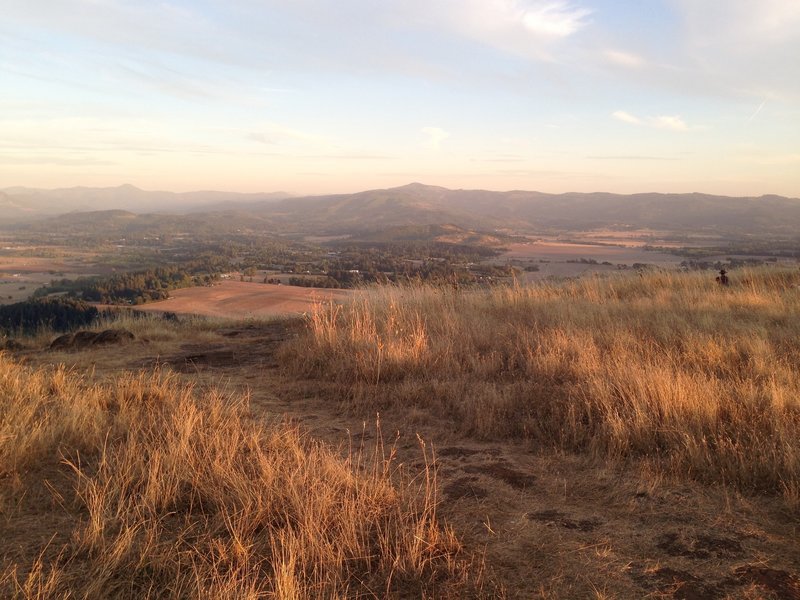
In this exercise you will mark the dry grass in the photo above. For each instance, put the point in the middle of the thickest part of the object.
(701, 379)
(144, 488)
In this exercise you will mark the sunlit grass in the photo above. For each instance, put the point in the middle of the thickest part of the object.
(170, 493)
(700, 378)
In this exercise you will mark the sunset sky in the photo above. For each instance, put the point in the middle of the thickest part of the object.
(313, 96)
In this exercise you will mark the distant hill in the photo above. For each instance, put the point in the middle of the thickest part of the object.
(383, 213)
(521, 211)
(20, 203)
(446, 233)
(106, 224)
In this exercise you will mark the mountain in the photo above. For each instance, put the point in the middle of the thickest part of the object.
(519, 211)
(108, 224)
(19, 203)
(374, 212)
(445, 233)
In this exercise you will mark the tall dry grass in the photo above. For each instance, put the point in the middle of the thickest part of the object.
(703, 379)
(157, 491)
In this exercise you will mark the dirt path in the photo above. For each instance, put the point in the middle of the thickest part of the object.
(550, 525)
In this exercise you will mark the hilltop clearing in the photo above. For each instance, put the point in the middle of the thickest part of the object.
(628, 437)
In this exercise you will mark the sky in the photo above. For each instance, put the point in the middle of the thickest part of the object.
(315, 96)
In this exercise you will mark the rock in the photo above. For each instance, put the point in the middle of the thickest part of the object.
(86, 339)
(62, 342)
(114, 336)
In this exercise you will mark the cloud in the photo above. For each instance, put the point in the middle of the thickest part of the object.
(758, 110)
(274, 133)
(671, 122)
(531, 29)
(621, 115)
(741, 47)
(436, 136)
(54, 160)
(631, 157)
(624, 59)
(555, 19)
(714, 21)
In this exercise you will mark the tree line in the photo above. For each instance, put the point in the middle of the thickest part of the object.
(136, 287)
(58, 314)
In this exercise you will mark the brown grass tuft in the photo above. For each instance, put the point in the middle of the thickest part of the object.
(700, 378)
(157, 491)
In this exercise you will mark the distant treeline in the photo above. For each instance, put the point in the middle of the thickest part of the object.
(731, 263)
(136, 287)
(58, 314)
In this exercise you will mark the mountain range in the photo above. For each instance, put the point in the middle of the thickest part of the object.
(22, 204)
(414, 204)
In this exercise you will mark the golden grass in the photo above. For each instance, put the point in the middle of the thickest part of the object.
(701, 379)
(169, 493)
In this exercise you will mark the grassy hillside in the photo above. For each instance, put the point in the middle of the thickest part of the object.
(142, 487)
(699, 379)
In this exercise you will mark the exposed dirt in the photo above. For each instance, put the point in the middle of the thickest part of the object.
(700, 546)
(550, 524)
(502, 471)
(554, 517)
(241, 299)
(780, 583)
(464, 487)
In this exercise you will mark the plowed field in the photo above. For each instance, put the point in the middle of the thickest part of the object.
(239, 299)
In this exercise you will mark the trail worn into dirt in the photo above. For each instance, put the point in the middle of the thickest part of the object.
(550, 525)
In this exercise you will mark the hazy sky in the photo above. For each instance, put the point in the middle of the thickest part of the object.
(324, 96)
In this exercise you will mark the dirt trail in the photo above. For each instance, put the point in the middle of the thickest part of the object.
(550, 525)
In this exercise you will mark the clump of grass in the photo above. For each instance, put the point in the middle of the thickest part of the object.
(166, 493)
(700, 378)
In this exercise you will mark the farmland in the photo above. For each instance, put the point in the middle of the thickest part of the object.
(242, 299)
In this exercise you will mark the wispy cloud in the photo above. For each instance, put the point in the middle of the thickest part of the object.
(624, 59)
(54, 160)
(741, 46)
(625, 117)
(531, 29)
(274, 134)
(758, 110)
(631, 157)
(671, 122)
(436, 136)
(555, 19)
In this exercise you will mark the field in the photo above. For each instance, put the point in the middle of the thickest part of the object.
(626, 437)
(242, 299)
(556, 259)
(23, 270)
